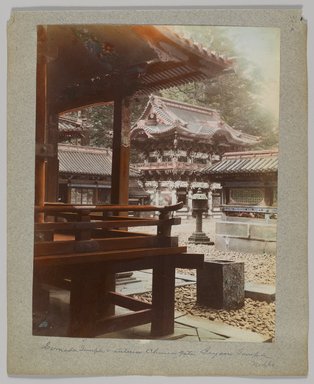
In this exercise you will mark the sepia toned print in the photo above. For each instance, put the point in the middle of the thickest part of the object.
(156, 182)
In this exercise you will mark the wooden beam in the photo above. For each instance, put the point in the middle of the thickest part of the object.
(111, 244)
(128, 302)
(105, 256)
(120, 322)
(117, 222)
(53, 208)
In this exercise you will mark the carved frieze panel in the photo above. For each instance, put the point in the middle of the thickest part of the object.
(249, 196)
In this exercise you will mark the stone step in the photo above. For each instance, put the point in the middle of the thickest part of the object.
(127, 280)
(260, 292)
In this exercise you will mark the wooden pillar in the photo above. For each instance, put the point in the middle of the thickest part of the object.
(121, 151)
(163, 297)
(189, 198)
(84, 301)
(52, 174)
(227, 196)
(41, 119)
(210, 202)
(46, 168)
(268, 196)
(96, 195)
(120, 162)
(157, 193)
(68, 193)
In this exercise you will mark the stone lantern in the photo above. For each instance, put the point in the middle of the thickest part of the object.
(199, 206)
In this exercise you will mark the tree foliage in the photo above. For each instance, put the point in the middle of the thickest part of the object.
(100, 119)
(235, 94)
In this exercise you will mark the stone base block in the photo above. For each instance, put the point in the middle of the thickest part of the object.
(260, 292)
(200, 238)
(224, 243)
(220, 284)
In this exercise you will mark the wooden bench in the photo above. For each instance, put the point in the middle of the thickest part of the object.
(84, 251)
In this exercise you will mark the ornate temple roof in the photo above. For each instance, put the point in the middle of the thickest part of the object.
(85, 160)
(162, 117)
(250, 162)
(71, 127)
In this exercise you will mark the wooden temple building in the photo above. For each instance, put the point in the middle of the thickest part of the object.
(80, 247)
(249, 200)
(174, 141)
(73, 131)
(85, 176)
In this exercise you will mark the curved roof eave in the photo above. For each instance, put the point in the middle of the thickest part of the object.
(83, 72)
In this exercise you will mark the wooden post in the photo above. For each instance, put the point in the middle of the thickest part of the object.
(268, 193)
(84, 301)
(163, 297)
(41, 118)
(120, 160)
(46, 168)
(52, 179)
(96, 195)
(121, 151)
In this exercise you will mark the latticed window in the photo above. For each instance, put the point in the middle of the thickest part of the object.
(82, 196)
(246, 196)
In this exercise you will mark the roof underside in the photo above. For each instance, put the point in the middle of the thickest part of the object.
(241, 163)
(86, 63)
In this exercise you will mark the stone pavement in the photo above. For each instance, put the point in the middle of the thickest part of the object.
(187, 327)
(141, 282)
(191, 328)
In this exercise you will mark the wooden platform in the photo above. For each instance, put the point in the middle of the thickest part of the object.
(84, 251)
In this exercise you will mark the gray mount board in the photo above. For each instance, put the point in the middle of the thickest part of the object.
(29, 355)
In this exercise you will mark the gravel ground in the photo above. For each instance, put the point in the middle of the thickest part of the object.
(256, 316)
(259, 269)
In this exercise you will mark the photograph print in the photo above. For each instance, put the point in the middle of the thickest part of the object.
(156, 168)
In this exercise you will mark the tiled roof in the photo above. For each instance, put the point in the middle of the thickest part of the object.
(66, 124)
(188, 120)
(245, 162)
(86, 160)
